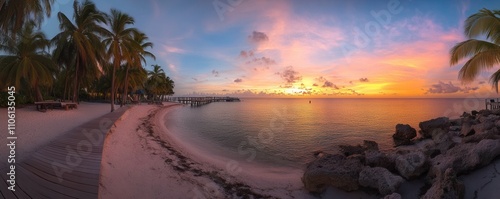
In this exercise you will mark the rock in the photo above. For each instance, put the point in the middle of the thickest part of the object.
(465, 115)
(358, 149)
(489, 118)
(456, 122)
(466, 157)
(447, 186)
(393, 196)
(474, 113)
(489, 134)
(370, 145)
(335, 170)
(484, 112)
(404, 134)
(348, 150)
(497, 123)
(379, 159)
(467, 129)
(412, 165)
(402, 142)
(381, 179)
(430, 127)
(483, 127)
(455, 128)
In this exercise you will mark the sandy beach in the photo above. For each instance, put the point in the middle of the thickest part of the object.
(35, 128)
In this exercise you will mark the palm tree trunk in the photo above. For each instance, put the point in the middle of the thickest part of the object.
(113, 85)
(125, 90)
(38, 94)
(75, 86)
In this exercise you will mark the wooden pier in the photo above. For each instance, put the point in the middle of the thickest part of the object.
(199, 101)
(492, 104)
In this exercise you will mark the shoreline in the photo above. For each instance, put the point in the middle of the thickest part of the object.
(165, 165)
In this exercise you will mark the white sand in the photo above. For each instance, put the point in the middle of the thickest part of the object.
(35, 128)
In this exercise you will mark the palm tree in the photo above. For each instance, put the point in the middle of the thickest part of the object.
(14, 13)
(137, 55)
(81, 37)
(119, 43)
(484, 53)
(158, 82)
(27, 60)
(155, 79)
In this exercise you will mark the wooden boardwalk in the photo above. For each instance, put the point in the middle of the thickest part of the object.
(68, 167)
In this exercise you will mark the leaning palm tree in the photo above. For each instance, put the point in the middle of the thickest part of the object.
(119, 42)
(138, 54)
(82, 38)
(27, 60)
(484, 54)
(15, 13)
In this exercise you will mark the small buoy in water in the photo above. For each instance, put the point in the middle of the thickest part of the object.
(309, 101)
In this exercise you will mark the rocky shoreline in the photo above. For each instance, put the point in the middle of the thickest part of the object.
(445, 149)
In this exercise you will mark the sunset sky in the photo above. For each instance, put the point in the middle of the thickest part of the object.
(315, 48)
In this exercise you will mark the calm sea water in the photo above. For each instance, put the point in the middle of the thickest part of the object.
(287, 131)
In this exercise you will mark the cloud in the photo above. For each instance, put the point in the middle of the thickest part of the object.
(262, 60)
(442, 87)
(246, 54)
(363, 79)
(329, 84)
(258, 37)
(215, 73)
(482, 82)
(173, 49)
(238, 80)
(172, 67)
(315, 84)
(195, 79)
(290, 75)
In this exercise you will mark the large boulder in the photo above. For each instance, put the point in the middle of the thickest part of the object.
(483, 127)
(404, 134)
(381, 179)
(446, 186)
(412, 165)
(467, 129)
(379, 159)
(335, 170)
(431, 127)
(466, 157)
(493, 133)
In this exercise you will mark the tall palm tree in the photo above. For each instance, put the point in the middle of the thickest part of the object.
(119, 42)
(82, 37)
(155, 80)
(158, 83)
(27, 60)
(484, 54)
(138, 54)
(14, 13)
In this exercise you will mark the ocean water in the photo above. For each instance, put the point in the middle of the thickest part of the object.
(288, 131)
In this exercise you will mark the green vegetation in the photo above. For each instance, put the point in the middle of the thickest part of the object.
(484, 53)
(96, 55)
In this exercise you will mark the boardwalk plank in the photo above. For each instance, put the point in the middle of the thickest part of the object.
(36, 178)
